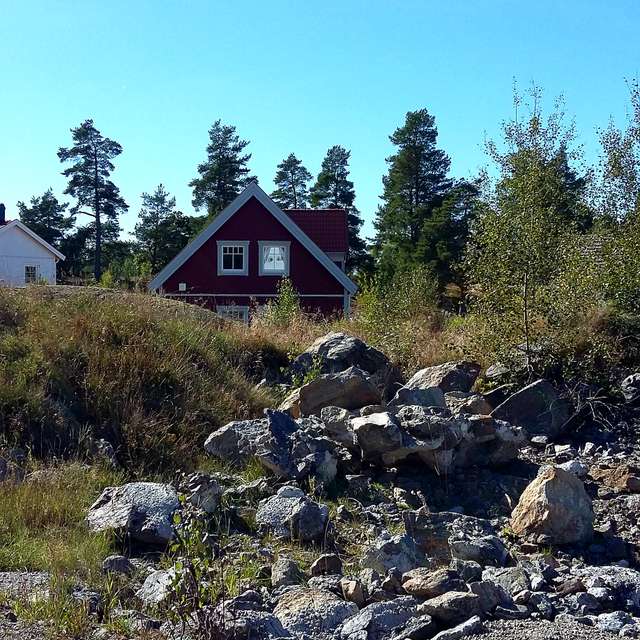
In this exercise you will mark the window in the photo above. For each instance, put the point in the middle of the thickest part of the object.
(233, 257)
(233, 312)
(182, 286)
(30, 274)
(274, 258)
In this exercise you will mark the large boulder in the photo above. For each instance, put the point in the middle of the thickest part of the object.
(450, 376)
(554, 505)
(376, 621)
(376, 434)
(291, 514)
(157, 588)
(312, 613)
(143, 511)
(349, 389)
(429, 583)
(537, 408)
(624, 477)
(453, 607)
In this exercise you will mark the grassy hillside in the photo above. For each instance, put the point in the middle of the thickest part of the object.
(152, 376)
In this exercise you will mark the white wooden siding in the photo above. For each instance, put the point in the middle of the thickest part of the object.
(18, 250)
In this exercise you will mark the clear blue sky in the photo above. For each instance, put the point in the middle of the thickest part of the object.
(293, 77)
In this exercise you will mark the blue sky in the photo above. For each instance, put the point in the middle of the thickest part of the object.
(292, 76)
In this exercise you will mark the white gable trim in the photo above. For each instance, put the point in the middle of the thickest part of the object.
(33, 235)
(254, 191)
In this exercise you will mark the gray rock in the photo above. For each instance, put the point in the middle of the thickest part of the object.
(485, 550)
(377, 620)
(331, 583)
(575, 467)
(285, 572)
(630, 388)
(453, 607)
(450, 376)
(466, 628)
(118, 564)
(389, 552)
(313, 613)
(337, 423)
(491, 595)
(467, 403)
(202, 491)
(511, 579)
(157, 588)
(537, 408)
(326, 564)
(376, 434)
(141, 510)
(429, 397)
(614, 621)
(623, 582)
(429, 583)
(419, 628)
(291, 514)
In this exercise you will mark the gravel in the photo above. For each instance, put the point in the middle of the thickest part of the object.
(540, 630)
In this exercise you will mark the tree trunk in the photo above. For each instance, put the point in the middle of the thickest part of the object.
(97, 259)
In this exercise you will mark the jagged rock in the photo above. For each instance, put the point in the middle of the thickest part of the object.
(242, 619)
(389, 552)
(487, 441)
(157, 588)
(467, 628)
(202, 491)
(556, 505)
(575, 467)
(331, 582)
(491, 594)
(376, 621)
(432, 531)
(327, 564)
(118, 564)
(622, 582)
(419, 628)
(428, 583)
(337, 423)
(453, 607)
(141, 510)
(614, 621)
(376, 434)
(467, 403)
(349, 389)
(450, 376)
(624, 477)
(485, 550)
(630, 388)
(537, 408)
(468, 570)
(512, 579)
(430, 397)
(285, 572)
(353, 591)
(291, 514)
(313, 613)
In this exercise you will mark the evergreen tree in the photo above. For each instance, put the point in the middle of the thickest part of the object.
(162, 230)
(89, 182)
(291, 183)
(46, 216)
(334, 190)
(224, 173)
(414, 188)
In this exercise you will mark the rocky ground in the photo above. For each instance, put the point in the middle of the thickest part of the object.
(385, 508)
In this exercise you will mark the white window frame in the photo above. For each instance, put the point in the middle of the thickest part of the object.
(233, 243)
(36, 268)
(182, 286)
(228, 312)
(267, 244)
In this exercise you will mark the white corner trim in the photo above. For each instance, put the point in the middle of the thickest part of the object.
(287, 257)
(253, 191)
(245, 262)
(33, 235)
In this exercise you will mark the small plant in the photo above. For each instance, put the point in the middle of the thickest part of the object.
(285, 308)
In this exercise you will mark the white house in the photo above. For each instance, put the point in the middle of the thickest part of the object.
(25, 258)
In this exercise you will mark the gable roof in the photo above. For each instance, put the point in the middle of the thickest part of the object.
(326, 227)
(254, 191)
(11, 224)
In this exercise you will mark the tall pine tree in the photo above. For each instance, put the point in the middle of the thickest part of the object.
(334, 190)
(89, 183)
(161, 230)
(224, 173)
(414, 187)
(291, 182)
(47, 217)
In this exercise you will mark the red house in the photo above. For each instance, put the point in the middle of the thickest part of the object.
(237, 261)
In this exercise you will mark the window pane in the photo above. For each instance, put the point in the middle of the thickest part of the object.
(227, 261)
(233, 258)
(273, 259)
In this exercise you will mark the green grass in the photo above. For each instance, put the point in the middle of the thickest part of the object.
(43, 522)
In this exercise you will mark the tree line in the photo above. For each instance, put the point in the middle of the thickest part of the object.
(451, 227)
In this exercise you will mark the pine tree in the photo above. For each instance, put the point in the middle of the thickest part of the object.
(414, 187)
(224, 173)
(291, 182)
(162, 230)
(89, 182)
(334, 190)
(46, 216)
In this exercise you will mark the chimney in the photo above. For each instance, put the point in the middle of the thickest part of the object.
(3, 210)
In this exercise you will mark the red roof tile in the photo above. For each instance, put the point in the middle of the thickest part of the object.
(326, 227)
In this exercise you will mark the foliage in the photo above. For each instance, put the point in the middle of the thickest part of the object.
(161, 231)
(47, 217)
(334, 190)
(153, 377)
(291, 182)
(224, 173)
(284, 309)
(89, 183)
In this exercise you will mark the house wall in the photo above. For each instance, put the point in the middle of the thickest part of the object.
(17, 249)
(253, 222)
